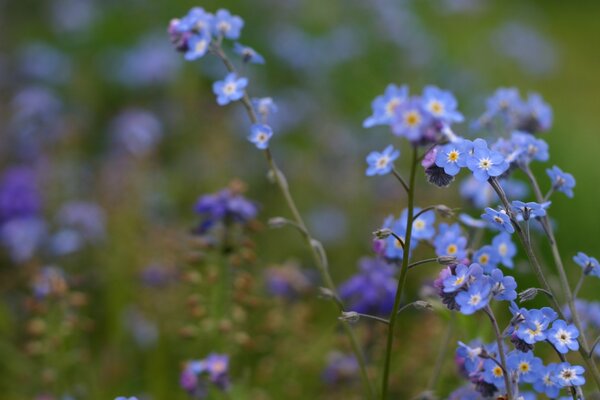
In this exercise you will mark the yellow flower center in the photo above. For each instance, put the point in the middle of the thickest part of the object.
(453, 156)
(451, 249)
(497, 371)
(412, 118)
(391, 106)
(484, 258)
(436, 107)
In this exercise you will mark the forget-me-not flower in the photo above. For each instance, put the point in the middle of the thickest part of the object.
(230, 89)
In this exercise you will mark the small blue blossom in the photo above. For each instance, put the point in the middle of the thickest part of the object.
(453, 156)
(503, 287)
(569, 375)
(458, 280)
(539, 111)
(248, 54)
(198, 45)
(589, 264)
(227, 25)
(471, 222)
(441, 105)
(530, 209)
(382, 163)
(393, 247)
(535, 326)
(546, 383)
(505, 249)
(561, 181)
(469, 356)
(503, 100)
(485, 163)
(196, 20)
(450, 242)
(341, 369)
(126, 398)
(487, 258)
(493, 373)
(423, 225)
(563, 336)
(230, 89)
(265, 107)
(410, 120)
(385, 106)
(529, 147)
(527, 367)
(260, 135)
(499, 219)
(475, 298)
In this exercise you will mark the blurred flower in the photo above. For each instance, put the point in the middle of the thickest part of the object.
(144, 332)
(382, 163)
(223, 207)
(248, 54)
(287, 281)
(197, 375)
(260, 135)
(19, 195)
(230, 89)
(73, 15)
(49, 281)
(136, 130)
(22, 237)
(157, 275)
(341, 369)
(561, 181)
(227, 25)
(39, 61)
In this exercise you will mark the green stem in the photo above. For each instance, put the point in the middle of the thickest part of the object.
(317, 251)
(402, 278)
(584, 347)
(490, 313)
(441, 357)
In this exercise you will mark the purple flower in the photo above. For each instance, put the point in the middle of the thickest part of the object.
(19, 195)
(225, 206)
(341, 368)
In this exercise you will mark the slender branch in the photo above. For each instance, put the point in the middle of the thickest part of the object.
(320, 261)
(421, 262)
(400, 179)
(490, 313)
(399, 239)
(584, 348)
(579, 284)
(423, 211)
(593, 347)
(403, 273)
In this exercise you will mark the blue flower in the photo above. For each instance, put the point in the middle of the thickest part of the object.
(539, 112)
(498, 219)
(264, 107)
(441, 105)
(589, 264)
(503, 287)
(410, 120)
(453, 156)
(469, 356)
(485, 163)
(382, 163)
(563, 336)
(569, 375)
(341, 369)
(503, 100)
(534, 327)
(527, 367)
(545, 382)
(530, 209)
(126, 398)
(260, 135)
(529, 147)
(493, 373)
(450, 242)
(458, 280)
(487, 258)
(561, 181)
(222, 207)
(475, 298)
(248, 54)
(372, 290)
(423, 228)
(198, 45)
(393, 248)
(227, 25)
(230, 89)
(385, 106)
(196, 20)
(505, 249)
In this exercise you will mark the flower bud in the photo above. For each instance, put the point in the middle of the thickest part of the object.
(349, 316)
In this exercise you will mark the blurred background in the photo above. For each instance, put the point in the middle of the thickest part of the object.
(108, 138)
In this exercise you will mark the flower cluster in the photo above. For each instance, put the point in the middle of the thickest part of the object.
(197, 376)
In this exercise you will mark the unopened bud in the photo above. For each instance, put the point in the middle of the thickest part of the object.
(277, 222)
(382, 233)
(447, 260)
(349, 316)
(528, 294)
(326, 293)
(444, 211)
(422, 305)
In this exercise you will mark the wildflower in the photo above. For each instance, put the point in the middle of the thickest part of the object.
(227, 25)
(561, 181)
(475, 298)
(394, 249)
(230, 89)
(197, 47)
(499, 219)
(409, 120)
(226, 206)
(563, 336)
(382, 163)
(441, 105)
(530, 209)
(260, 135)
(487, 258)
(22, 237)
(589, 264)
(485, 163)
(535, 325)
(49, 281)
(493, 373)
(546, 383)
(434, 173)
(529, 148)
(341, 368)
(264, 107)
(527, 367)
(19, 195)
(503, 100)
(503, 287)
(372, 290)
(248, 54)
(385, 106)
(196, 20)
(453, 156)
(536, 114)
(469, 357)
(450, 242)
(126, 398)
(569, 375)
(287, 281)
(505, 249)
(456, 281)
(423, 228)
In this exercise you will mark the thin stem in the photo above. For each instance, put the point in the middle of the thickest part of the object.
(593, 347)
(490, 313)
(318, 256)
(584, 348)
(399, 239)
(374, 318)
(400, 179)
(421, 262)
(579, 284)
(423, 211)
(403, 273)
